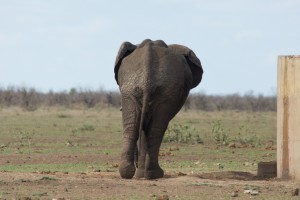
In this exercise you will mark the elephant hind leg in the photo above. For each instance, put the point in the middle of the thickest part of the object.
(127, 170)
(142, 149)
(148, 166)
(131, 119)
(156, 128)
(127, 167)
(154, 139)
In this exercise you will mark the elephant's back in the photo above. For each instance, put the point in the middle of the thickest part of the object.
(173, 69)
(132, 73)
(152, 67)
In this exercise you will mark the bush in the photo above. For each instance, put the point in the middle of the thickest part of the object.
(219, 135)
(181, 134)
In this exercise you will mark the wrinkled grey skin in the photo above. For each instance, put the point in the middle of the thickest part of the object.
(154, 81)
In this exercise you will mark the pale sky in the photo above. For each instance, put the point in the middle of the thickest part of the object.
(60, 44)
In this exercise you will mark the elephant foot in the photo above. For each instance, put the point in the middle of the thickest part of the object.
(154, 174)
(127, 170)
(139, 173)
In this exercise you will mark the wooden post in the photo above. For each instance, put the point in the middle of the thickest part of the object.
(288, 117)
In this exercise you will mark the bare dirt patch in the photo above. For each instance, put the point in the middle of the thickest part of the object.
(108, 185)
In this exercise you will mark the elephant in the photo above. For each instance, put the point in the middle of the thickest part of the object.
(154, 80)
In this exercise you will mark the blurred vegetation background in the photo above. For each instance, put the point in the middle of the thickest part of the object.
(30, 99)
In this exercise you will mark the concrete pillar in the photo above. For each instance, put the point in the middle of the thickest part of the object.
(288, 117)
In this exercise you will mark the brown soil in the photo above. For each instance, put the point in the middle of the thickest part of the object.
(108, 185)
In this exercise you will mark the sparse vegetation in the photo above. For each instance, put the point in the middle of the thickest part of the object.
(181, 133)
(63, 116)
(244, 138)
(219, 134)
(86, 127)
(248, 140)
(24, 139)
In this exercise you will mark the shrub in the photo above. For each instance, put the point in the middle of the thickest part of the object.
(219, 135)
(24, 139)
(87, 128)
(181, 133)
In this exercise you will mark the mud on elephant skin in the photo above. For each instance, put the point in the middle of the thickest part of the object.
(154, 81)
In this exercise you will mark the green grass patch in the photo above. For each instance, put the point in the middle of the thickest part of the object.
(201, 137)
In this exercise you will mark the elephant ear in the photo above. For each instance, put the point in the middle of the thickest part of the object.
(125, 49)
(192, 60)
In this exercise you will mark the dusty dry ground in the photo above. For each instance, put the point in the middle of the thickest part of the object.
(98, 184)
(108, 185)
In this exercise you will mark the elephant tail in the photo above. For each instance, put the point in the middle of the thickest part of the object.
(143, 121)
(144, 111)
